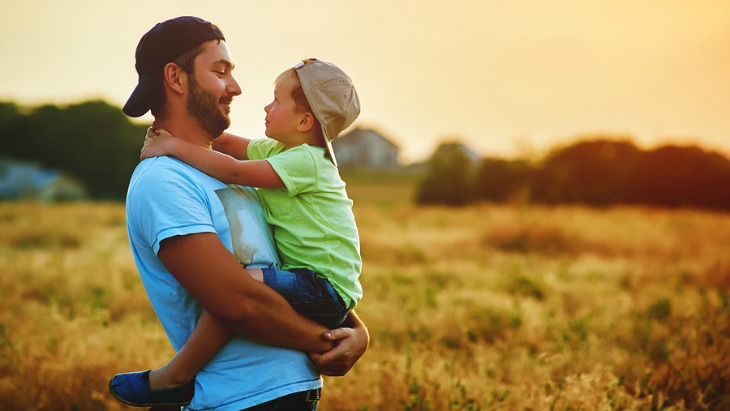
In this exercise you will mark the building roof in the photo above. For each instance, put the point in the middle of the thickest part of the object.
(357, 135)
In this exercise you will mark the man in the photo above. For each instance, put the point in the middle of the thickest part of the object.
(190, 234)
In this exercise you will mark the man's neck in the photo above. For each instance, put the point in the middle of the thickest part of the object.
(186, 129)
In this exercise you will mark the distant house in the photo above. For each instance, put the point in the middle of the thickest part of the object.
(366, 148)
(26, 180)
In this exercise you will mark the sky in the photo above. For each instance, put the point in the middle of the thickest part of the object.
(506, 77)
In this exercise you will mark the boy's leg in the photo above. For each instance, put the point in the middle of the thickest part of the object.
(309, 295)
(208, 337)
(256, 273)
(172, 383)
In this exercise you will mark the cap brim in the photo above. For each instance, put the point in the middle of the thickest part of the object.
(139, 102)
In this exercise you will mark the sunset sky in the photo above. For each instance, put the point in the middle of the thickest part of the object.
(505, 77)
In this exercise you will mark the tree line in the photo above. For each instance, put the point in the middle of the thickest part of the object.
(594, 172)
(93, 142)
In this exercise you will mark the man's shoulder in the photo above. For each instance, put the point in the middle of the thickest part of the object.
(162, 165)
(168, 180)
(161, 171)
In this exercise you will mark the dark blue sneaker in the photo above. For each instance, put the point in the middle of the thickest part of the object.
(133, 388)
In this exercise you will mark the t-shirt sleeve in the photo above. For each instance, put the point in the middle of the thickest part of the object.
(263, 148)
(297, 168)
(168, 205)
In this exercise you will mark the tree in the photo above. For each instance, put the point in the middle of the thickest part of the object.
(450, 179)
(674, 176)
(591, 172)
(503, 180)
(91, 141)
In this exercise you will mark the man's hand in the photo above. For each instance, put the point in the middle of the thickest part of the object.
(350, 345)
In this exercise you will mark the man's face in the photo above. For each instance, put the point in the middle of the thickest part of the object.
(211, 89)
(203, 107)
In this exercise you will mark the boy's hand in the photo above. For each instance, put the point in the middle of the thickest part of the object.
(155, 143)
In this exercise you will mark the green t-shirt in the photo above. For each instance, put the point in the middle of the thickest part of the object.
(312, 218)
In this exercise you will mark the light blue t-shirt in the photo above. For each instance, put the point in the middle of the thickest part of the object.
(167, 198)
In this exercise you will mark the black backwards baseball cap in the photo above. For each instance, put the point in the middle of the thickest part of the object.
(164, 43)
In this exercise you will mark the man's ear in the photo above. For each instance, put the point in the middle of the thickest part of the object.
(306, 122)
(174, 77)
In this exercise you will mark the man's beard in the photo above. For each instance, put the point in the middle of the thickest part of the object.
(203, 108)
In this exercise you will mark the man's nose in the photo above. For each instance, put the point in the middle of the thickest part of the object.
(233, 87)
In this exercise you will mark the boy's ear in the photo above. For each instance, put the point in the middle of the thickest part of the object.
(306, 122)
(174, 77)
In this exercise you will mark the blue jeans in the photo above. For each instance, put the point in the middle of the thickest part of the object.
(309, 295)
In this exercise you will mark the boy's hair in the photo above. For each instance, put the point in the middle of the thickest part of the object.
(301, 104)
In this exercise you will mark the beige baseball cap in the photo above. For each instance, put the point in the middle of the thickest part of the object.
(332, 97)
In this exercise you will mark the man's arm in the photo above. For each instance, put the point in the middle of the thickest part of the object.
(202, 264)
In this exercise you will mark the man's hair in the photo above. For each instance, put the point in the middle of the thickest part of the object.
(187, 63)
(301, 105)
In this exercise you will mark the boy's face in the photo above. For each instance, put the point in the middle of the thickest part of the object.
(281, 116)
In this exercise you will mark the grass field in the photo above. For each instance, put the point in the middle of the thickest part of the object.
(480, 308)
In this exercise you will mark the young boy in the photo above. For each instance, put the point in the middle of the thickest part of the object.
(304, 200)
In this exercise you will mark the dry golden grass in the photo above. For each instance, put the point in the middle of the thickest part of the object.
(481, 308)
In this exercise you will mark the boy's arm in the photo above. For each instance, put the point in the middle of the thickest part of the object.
(234, 146)
(254, 173)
